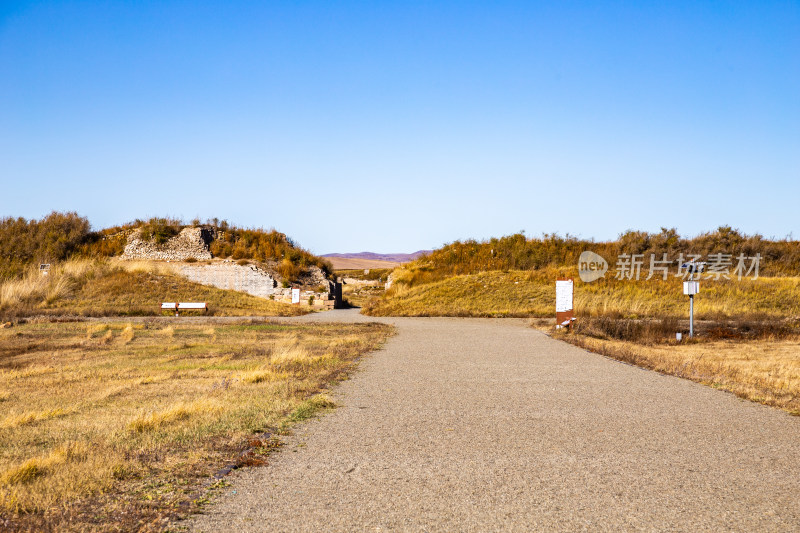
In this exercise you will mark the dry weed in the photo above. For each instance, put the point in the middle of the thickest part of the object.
(174, 413)
(127, 334)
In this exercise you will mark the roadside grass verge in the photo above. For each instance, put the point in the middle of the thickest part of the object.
(532, 294)
(121, 288)
(117, 426)
(754, 358)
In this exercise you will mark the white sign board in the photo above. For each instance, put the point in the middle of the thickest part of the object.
(691, 287)
(295, 296)
(564, 295)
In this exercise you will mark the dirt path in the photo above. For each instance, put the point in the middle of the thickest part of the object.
(487, 425)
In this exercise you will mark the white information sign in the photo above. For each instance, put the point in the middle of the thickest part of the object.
(564, 295)
(691, 287)
(295, 296)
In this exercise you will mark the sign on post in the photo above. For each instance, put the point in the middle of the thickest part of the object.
(691, 288)
(295, 296)
(564, 300)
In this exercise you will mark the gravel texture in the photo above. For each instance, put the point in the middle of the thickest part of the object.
(489, 425)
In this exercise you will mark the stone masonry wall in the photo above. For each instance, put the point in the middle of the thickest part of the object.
(229, 275)
(189, 243)
(249, 279)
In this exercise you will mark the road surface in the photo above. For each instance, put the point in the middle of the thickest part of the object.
(489, 425)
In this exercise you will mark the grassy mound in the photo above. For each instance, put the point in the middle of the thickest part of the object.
(111, 288)
(532, 294)
(59, 237)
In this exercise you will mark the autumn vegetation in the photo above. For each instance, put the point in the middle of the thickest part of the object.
(122, 425)
(62, 236)
(514, 275)
(519, 252)
(115, 418)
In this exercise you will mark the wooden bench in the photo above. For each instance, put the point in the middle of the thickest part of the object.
(183, 306)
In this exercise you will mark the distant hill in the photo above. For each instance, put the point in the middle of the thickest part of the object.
(357, 261)
(392, 258)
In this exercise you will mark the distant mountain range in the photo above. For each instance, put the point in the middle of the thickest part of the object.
(371, 256)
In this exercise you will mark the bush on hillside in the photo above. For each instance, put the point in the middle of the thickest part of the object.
(262, 245)
(160, 230)
(53, 238)
(60, 236)
(518, 252)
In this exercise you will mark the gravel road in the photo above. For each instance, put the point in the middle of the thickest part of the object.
(488, 425)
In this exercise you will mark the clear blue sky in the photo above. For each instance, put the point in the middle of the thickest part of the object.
(395, 126)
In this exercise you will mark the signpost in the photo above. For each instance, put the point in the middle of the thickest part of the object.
(564, 299)
(691, 288)
(295, 296)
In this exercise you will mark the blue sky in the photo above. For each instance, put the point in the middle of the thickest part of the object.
(396, 126)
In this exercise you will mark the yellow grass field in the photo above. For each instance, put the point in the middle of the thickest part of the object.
(532, 294)
(118, 426)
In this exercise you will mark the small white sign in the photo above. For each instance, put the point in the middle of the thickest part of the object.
(691, 287)
(295, 296)
(564, 295)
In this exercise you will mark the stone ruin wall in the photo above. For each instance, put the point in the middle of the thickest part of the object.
(249, 279)
(228, 275)
(193, 243)
(189, 243)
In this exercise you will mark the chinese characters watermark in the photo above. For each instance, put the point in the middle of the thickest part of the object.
(716, 266)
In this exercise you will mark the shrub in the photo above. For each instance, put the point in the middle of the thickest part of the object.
(53, 238)
(160, 230)
(264, 245)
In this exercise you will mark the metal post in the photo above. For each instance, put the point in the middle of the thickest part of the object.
(691, 316)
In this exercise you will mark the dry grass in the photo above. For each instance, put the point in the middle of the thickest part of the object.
(532, 294)
(757, 360)
(359, 295)
(121, 288)
(119, 425)
(484, 294)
